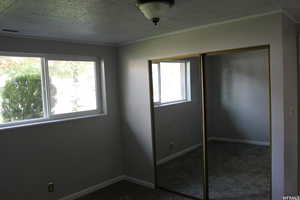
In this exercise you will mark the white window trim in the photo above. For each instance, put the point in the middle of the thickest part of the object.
(187, 83)
(101, 109)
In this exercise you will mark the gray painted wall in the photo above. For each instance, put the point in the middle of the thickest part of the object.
(298, 48)
(135, 100)
(291, 104)
(73, 154)
(238, 96)
(180, 123)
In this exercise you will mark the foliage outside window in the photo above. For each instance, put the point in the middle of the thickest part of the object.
(22, 98)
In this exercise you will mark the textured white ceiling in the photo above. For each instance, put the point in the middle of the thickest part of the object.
(119, 21)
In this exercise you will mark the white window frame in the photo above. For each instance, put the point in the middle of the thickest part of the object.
(101, 107)
(186, 84)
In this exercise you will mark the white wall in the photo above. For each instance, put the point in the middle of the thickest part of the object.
(134, 82)
(180, 124)
(74, 154)
(238, 96)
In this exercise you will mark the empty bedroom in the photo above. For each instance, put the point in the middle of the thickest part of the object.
(149, 99)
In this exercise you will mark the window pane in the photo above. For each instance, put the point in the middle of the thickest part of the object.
(73, 86)
(155, 80)
(20, 89)
(172, 81)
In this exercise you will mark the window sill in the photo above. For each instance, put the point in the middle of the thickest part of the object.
(172, 104)
(46, 121)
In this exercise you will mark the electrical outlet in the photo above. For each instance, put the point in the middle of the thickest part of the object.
(171, 146)
(291, 111)
(50, 187)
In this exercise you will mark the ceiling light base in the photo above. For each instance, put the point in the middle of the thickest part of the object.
(154, 9)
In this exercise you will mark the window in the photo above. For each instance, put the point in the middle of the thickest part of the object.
(41, 88)
(171, 82)
(79, 78)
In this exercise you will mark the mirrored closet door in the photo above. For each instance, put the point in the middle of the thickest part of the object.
(177, 125)
(238, 124)
(211, 124)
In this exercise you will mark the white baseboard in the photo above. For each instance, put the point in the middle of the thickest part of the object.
(139, 182)
(239, 141)
(93, 188)
(189, 149)
(178, 154)
(104, 184)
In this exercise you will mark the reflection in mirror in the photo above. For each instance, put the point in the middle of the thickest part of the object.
(177, 123)
(238, 125)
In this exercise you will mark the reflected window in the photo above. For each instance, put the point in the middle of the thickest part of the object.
(171, 82)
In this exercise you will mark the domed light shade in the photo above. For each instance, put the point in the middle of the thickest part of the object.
(154, 9)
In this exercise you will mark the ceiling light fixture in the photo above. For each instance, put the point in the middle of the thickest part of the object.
(154, 9)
